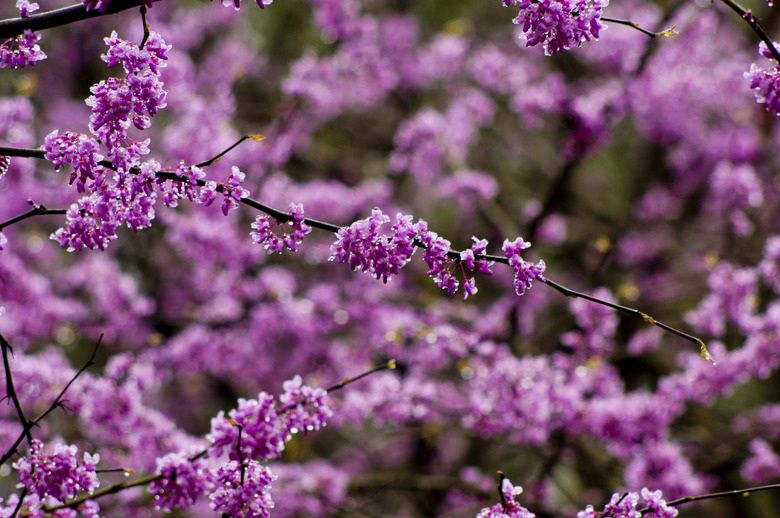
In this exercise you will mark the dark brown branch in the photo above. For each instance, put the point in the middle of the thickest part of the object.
(742, 492)
(751, 20)
(13, 27)
(58, 401)
(11, 390)
(454, 255)
(35, 211)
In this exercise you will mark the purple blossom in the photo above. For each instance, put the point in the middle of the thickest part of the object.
(60, 476)
(233, 191)
(263, 431)
(620, 506)
(263, 231)
(525, 272)
(366, 249)
(26, 7)
(236, 4)
(91, 222)
(3, 241)
(182, 483)
(304, 408)
(510, 508)
(118, 103)
(81, 152)
(558, 24)
(244, 494)
(27, 51)
(5, 163)
(655, 502)
(766, 82)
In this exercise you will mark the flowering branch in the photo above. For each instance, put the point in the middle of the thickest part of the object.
(13, 27)
(743, 492)
(751, 20)
(453, 255)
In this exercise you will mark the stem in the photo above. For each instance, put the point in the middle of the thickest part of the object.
(116, 488)
(36, 211)
(389, 365)
(751, 20)
(455, 255)
(13, 27)
(57, 402)
(631, 24)
(743, 492)
(11, 390)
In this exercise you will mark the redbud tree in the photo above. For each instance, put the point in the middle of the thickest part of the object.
(384, 258)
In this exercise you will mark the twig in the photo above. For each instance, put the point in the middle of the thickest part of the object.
(751, 20)
(103, 492)
(388, 365)
(628, 23)
(452, 254)
(40, 210)
(689, 499)
(13, 27)
(11, 390)
(57, 402)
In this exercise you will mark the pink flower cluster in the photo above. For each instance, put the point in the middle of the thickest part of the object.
(232, 476)
(509, 508)
(59, 477)
(625, 506)
(26, 51)
(766, 81)
(264, 424)
(559, 24)
(525, 272)
(367, 248)
(263, 231)
(118, 103)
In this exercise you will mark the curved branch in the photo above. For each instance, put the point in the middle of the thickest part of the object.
(751, 20)
(13, 27)
(452, 254)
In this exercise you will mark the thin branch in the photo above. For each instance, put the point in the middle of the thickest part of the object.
(11, 390)
(628, 23)
(751, 20)
(35, 211)
(388, 365)
(116, 488)
(452, 254)
(57, 402)
(743, 492)
(13, 27)
(635, 313)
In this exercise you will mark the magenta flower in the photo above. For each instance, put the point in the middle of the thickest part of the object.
(60, 476)
(766, 81)
(27, 51)
(305, 409)
(525, 272)
(184, 481)
(263, 231)
(243, 494)
(263, 431)
(510, 508)
(559, 24)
